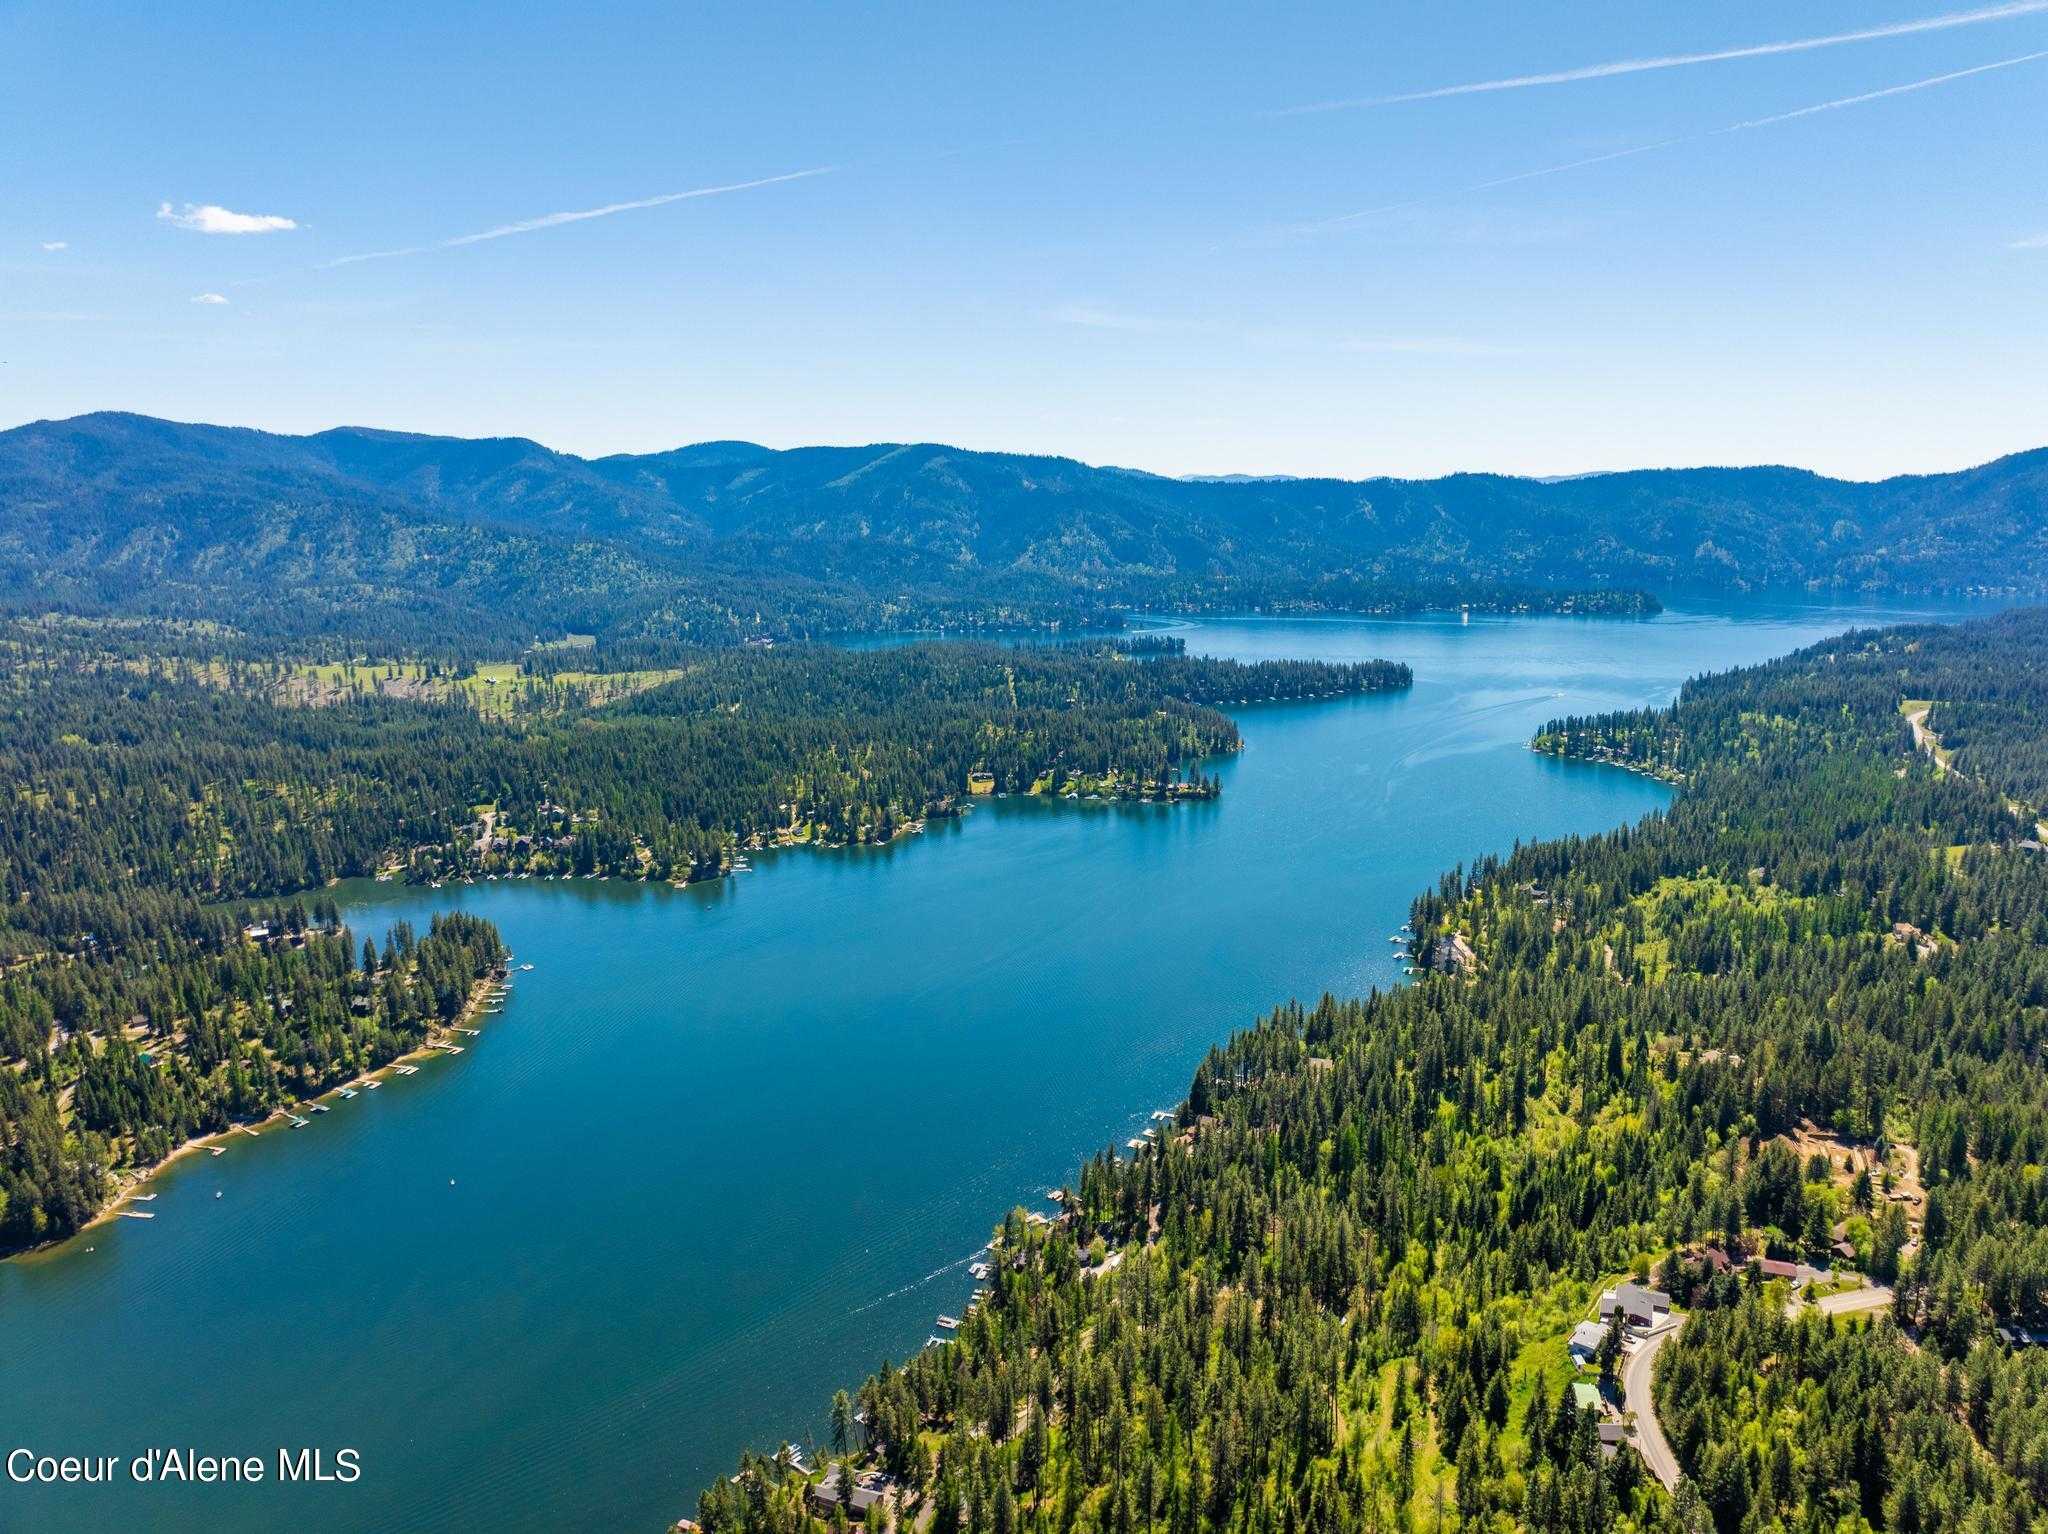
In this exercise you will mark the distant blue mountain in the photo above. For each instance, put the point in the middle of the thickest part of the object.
(120, 509)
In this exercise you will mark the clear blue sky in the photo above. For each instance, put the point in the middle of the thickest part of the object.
(1093, 230)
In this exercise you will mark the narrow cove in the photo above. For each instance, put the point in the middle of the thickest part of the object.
(729, 1146)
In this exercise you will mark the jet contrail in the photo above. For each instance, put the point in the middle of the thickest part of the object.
(1941, 23)
(1686, 138)
(1890, 90)
(552, 220)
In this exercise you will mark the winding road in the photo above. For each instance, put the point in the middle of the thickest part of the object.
(1635, 1396)
(1635, 1380)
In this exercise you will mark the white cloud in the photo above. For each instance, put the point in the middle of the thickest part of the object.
(1941, 23)
(554, 220)
(56, 244)
(212, 218)
(209, 298)
(2032, 242)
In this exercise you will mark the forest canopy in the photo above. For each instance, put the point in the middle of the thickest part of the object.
(1335, 1294)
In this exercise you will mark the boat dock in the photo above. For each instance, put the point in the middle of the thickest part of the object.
(248, 1131)
(135, 1214)
(406, 1070)
(949, 1323)
(347, 1092)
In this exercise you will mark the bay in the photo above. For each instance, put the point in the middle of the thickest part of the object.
(728, 1147)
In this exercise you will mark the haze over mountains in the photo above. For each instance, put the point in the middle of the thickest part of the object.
(114, 512)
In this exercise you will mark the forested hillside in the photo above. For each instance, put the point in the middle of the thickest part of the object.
(419, 540)
(1334, 1295)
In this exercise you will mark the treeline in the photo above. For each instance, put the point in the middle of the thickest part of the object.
(1993, 721)
(114, 1055)
(124, 776)
(1342, 1279)
(1389, 595)
(1792, 1423)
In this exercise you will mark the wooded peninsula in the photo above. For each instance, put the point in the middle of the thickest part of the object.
(173, 789)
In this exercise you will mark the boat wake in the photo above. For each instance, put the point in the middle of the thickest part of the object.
(916, 1284)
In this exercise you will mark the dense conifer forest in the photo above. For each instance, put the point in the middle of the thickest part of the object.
(1334, 1294)
(185, 773)
(116, 1052)
(360, 532)
(160, 777)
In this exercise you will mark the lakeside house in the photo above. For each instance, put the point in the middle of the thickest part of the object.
(865, 1491)
(981, 782)
(1640, 1308)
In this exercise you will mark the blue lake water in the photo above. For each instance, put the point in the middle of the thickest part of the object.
(728, 1147)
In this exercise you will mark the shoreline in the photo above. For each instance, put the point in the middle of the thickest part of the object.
(1641, 771)
(131, 1180)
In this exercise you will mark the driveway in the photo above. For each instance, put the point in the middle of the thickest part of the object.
(1849, 1301)
(1635, 1395)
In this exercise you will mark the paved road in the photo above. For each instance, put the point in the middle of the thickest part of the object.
(1635, 1379)
(1869, 1297)
(1635, 1395)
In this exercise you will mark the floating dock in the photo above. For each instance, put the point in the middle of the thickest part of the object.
(949, 1323)
(135, 1214)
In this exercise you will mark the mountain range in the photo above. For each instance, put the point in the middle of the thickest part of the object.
(115, 512)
